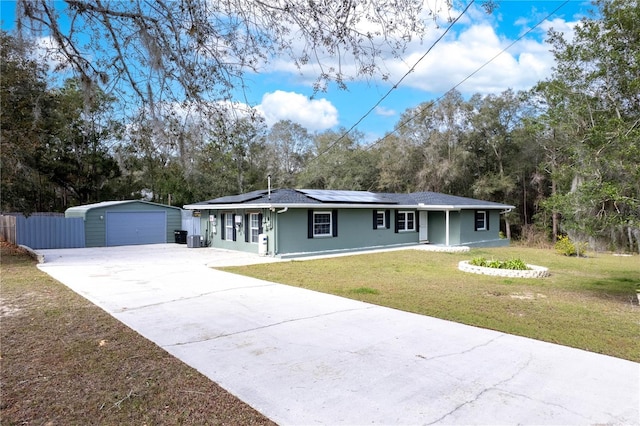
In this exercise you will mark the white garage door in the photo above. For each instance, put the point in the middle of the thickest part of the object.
(131, 228)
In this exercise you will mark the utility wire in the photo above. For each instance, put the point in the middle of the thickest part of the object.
(395, 86)
(412, 117)
(408, 120)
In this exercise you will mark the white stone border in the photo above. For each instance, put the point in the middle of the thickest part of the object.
(534, 272)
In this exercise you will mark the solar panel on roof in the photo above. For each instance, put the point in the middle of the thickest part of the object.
(240, 198)
(363, 197)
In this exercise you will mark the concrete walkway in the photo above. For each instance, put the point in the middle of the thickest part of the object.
(302, 357)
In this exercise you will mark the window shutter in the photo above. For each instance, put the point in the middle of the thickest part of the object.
(375, 219)
(475, 220)
(397, 222)
(246, 227)
(233, 223)
(223, 226)
(309, 223)
(334, 221)
(260, 223)
(416, 221)
(487, 219)
(387, 218)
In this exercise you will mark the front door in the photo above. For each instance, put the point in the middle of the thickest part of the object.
(424, 226)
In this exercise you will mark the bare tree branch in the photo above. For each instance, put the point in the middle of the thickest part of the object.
(199, 51)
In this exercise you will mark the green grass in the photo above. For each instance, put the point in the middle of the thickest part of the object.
(364, 290)
(64, 361)
(588, 303)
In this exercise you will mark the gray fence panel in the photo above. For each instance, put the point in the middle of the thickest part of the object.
(48, 232)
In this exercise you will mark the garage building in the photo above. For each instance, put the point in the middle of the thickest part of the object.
(132, 222)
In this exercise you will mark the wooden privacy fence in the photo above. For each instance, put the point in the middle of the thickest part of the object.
(8, 229)
(43, 230)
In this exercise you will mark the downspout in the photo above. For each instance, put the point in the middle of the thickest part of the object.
(275, 231)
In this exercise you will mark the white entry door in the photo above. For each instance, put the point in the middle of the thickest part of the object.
(424, 226)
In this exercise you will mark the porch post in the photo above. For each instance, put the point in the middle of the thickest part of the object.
(446, 221)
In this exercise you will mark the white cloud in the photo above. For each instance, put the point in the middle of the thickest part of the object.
(560, 25)
(46, 50)
(473, 41)
(313, 114)
(385, 112)
(458, 55)
(456, 59)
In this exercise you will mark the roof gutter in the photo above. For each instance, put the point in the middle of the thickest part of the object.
(296, 206)
(422, 206)
(274, 206)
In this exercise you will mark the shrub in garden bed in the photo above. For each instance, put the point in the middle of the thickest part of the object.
(513, 264)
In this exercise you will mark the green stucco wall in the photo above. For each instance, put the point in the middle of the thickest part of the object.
(436, 228)
(287, 231)
(355, 231)
(212, 230)
(490, 238)
(462, 229)
(454, 226)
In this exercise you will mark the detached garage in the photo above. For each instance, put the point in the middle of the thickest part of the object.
(122, 223)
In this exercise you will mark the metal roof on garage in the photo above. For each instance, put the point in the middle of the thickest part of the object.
(82, 210)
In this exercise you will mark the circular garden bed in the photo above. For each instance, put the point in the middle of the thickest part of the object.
(533, 271)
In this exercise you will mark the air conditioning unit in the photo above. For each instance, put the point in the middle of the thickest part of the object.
(193, 241)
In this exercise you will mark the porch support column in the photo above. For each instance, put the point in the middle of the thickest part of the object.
(446, 225)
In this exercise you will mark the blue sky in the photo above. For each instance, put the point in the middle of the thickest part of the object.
(281, 92)
(473, 41)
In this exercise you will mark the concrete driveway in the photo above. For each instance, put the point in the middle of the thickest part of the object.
(302, 357)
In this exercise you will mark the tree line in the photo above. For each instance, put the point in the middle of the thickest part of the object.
(565, 153)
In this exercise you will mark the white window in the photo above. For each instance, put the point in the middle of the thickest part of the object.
(254, 226)
(322, 224)
(380, 219)
(481, 221)
(228, 226)
(406, 221)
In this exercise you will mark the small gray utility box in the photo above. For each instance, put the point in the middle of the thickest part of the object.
(193, 241)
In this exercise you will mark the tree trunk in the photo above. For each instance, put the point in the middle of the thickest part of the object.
(525, 213)
(554, 216)
(636, 233)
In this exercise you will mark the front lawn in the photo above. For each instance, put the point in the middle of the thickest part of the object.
(64, 361)
(587, 303)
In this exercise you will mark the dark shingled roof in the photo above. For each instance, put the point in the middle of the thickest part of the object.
(293, 197)
(278, 196)
(240, 198)
(438, 199)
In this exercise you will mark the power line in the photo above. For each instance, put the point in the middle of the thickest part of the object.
(408, 120)
(395, 86)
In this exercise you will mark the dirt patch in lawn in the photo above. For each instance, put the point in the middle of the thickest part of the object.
(65, 361)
